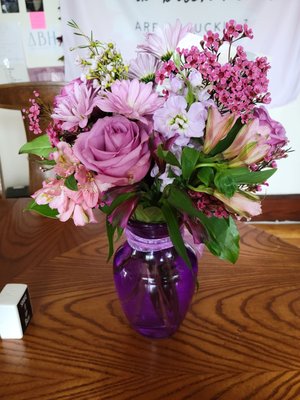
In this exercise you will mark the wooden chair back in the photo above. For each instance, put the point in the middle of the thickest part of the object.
(15, 96)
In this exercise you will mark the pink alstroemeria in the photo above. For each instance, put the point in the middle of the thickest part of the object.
(240, 204)
(133, 99)
(250, 145)
(143, 67)
(65, 159)
(217, 128)
(75, 105)
(75, 204)
(163, 42)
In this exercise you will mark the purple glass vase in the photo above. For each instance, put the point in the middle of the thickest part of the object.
(154, 284)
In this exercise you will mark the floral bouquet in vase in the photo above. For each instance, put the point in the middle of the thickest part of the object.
(173, 148)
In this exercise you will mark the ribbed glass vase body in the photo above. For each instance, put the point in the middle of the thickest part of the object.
(154, 284)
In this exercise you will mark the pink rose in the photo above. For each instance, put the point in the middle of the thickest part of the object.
(116, 149)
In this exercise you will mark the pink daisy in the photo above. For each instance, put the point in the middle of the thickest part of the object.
(133, 99)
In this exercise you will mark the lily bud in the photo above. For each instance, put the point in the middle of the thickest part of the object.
(250, 144)
(240, 204)
(217, 128)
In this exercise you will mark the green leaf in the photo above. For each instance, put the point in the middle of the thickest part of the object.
(43, 209)
(190, 98)
(40, 146)
(226, 238)
(110, 230)
(148, 214)
(174, 232)
(244, 176)
(228, 140)
(167, 156)
(71, 183)
(206, 175)
(189, 159)
(223, 236)
(117, 201)
(225, 184)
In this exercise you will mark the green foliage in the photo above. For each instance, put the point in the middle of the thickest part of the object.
(40, 146)
(148, 214)
(206, 175)
(167, 156)
(242, 176)
(71, 183)
(174, 232)
(43, 209)
(117, 201)
(223, 236)
(189, 159)
(225, 184)
(110, 231)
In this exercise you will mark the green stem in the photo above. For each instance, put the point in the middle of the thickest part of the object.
(201, 189)
(213, 165)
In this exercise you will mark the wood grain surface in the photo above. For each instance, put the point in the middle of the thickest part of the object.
(240, 340)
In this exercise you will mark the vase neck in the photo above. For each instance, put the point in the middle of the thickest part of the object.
(146, 244)
(148, 236)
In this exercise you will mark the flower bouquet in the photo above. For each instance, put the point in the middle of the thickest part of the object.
(174, 143)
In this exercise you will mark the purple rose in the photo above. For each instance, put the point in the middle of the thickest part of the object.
(116, 149)
(277, 136)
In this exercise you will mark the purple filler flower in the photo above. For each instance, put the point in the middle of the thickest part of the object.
(173, 119)
(277, 134)
(133, 99)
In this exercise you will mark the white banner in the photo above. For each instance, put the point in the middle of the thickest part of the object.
(275, 24)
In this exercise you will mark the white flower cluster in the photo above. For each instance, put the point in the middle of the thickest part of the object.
(104, 65)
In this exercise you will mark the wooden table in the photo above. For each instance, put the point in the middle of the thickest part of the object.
(240, 340)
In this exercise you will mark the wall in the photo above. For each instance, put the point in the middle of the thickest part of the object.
(286, 180)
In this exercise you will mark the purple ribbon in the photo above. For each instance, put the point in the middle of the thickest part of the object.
(145, 244)
(142, 244)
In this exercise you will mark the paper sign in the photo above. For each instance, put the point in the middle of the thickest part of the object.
(37, 20)
(12, 59)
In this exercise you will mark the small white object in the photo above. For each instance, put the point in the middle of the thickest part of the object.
(15, 311)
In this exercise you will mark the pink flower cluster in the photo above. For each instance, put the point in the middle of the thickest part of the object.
(208, 204)
(235, 86)
(33, 115)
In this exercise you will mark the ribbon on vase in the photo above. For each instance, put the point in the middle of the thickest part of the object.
(145, 244)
